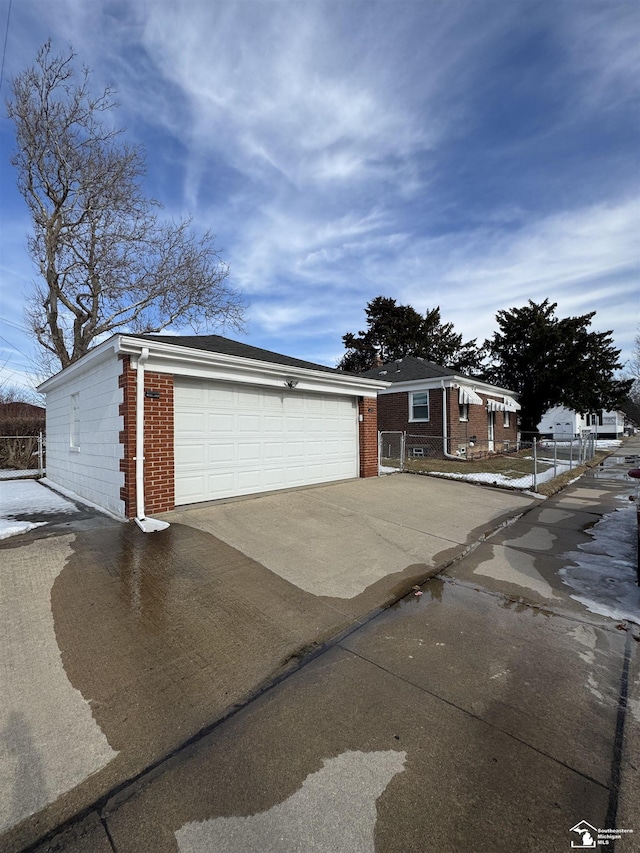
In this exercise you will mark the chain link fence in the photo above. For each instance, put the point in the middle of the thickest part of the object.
(22, 456)
(521, 464)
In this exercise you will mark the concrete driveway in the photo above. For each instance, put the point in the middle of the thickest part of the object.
(117, 648)
(357, 543)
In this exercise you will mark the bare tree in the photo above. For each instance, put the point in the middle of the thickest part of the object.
(107, 261)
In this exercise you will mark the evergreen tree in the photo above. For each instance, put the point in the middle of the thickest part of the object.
(395, 331)
(551, 362)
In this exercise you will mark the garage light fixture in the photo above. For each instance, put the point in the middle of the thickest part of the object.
(290, 383)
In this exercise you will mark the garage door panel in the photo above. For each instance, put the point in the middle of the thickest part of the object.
(249, 452)
(221, 423)
(192, 422)
(274, 424)
(249, 481)
(219, 396)
(274, 478)
(248, 398)
(192, 487)
(233, 441)
(273, 451)
(221, 453)
(249, 423)
(218, 485)
(190, 454)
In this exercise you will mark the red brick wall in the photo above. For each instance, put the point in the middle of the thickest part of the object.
(368, 412)
(393, 414)
(159, 492)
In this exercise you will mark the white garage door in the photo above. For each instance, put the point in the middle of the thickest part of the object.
(237, 440)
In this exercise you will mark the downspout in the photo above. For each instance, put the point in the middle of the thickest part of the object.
(444, 424)
(147, 525)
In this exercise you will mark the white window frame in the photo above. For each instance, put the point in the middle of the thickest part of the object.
(413, 419)
(463, 409)
(74, 421)
(506, 419)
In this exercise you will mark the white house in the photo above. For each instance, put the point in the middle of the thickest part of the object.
(144, 423)
(564, 424)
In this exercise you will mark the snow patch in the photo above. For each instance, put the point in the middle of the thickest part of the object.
(20, 498)
(604, 578)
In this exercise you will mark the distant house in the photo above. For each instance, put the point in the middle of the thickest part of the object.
(443, 412)
(564, 424)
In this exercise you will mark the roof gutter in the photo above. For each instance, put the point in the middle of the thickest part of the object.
(147, 525)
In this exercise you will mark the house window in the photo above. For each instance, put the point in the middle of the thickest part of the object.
(464, 411)
(74, 428)
(506, 421)
(419, 406)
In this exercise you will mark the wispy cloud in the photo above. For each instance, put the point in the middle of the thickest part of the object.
(465, 155)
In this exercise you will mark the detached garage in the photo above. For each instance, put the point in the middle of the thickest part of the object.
(216, 418)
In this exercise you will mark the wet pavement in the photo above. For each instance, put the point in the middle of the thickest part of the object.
(492, 712)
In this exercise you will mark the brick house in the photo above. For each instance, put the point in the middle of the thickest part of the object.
(443, 412)
(144, 423)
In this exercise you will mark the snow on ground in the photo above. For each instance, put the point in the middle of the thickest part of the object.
(604, 579)
(20, 498)
(490, 479)
(386, 469)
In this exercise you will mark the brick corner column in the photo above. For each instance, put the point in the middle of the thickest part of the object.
(368, 434)
(159, 465)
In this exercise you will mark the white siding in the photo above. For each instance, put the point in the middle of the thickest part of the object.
(561, 423)
(92, 469)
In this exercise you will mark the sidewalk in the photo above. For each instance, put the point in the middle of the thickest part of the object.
(264, 627)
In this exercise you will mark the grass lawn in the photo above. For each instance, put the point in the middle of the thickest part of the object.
(513, 466)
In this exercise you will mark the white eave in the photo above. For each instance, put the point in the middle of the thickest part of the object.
(450, 381)
(187, 361)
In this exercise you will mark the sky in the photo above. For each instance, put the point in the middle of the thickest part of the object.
(467, 155)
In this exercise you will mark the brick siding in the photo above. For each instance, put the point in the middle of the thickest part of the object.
(393, 415)
(368, 435)
(159, 470)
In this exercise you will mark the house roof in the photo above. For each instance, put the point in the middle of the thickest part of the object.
(412, 372)
(226, 346)
(408, 369)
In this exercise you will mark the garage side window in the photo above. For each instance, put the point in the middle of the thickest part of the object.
(419, 406)
(74, 427)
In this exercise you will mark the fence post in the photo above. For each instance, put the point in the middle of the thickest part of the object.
(403, 444)
(40, 455)
(555, 458)
(535, 465)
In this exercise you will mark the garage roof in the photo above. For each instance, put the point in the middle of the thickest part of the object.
(217, 343)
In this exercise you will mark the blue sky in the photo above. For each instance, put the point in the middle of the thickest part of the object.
(470, 155)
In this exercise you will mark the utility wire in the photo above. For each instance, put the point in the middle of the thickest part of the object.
(4, 50)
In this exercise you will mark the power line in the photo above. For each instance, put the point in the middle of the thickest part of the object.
(15, 325)
(4, 50)
(13, 346)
